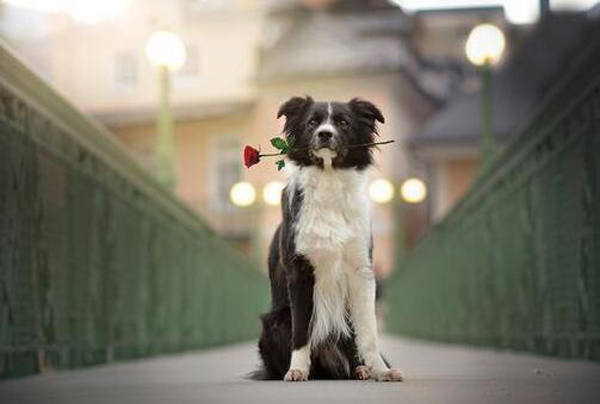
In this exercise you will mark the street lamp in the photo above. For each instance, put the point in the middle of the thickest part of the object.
(272, 193)
(381, 191)
(413, 190)
(242, 194)
(166, 52)
(484, 48)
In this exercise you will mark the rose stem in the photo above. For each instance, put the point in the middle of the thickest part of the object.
(354, 146)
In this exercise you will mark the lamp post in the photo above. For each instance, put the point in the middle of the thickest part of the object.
(484, 48)
(166, 52)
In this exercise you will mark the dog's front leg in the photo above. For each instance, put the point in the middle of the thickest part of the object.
(361, 283)
(300, 290)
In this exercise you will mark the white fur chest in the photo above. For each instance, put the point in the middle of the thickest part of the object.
(334, 210)
(332, 230)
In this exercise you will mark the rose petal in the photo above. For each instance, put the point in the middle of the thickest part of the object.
(251, 156)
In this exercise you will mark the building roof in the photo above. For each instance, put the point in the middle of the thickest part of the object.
(337, 39)
(517, 87)
(324, 38)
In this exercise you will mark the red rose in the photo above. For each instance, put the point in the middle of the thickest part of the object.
(251, 156)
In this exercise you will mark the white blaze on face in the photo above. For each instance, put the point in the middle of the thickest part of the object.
(326, 154)
(327, 125)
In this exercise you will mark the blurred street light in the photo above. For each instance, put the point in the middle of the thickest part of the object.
(413, 190)
(166, 49)
(484, 47)
(272, 193)
(166, 52)
(81, 10)
(242, 194)
(381, 191)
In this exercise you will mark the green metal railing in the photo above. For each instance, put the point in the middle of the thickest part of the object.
(517, 263)
(97, 261)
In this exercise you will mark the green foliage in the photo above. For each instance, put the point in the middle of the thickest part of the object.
(280, 164)
(280, 144)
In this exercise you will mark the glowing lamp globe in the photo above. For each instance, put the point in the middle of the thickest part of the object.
(242, 194)
(272, 193)
(381, 191)
(166, 49)
(413, 190)
(485, 45)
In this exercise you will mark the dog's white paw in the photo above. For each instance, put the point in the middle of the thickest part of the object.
(391, 375)
(362, 372)
(295, 375)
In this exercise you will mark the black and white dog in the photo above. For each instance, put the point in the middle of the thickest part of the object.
(322, 322)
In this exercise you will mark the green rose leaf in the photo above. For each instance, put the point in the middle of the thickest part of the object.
(280, 164)
(279, 143)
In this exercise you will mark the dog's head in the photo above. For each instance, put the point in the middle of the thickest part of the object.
(321, 131)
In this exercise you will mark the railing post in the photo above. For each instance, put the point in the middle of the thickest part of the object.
(487, 135)
(399, 230)
(164, 137)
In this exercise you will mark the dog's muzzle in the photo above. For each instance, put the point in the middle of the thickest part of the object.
(326, 137)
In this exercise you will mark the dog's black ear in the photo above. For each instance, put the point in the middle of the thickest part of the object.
(367, 109)
(294, 106)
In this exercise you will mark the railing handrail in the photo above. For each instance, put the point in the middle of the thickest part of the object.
(520, 144)
(19, 76)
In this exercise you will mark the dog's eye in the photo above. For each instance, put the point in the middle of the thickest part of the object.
(343, 122)
(313, 122)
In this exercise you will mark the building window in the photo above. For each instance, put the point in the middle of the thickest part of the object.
(125, 69)
(227, 170)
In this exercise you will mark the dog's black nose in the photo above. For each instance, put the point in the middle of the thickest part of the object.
(325, 136)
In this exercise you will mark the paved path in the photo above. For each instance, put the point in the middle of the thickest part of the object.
(435, 374)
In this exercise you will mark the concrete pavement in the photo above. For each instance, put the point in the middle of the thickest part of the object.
(435, 373)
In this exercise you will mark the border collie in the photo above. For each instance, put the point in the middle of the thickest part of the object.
(322, 321)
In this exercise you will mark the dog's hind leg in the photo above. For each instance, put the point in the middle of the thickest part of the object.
(273, 346)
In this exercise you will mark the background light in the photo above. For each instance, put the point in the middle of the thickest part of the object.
(82, 10)
(381, 191)
(522, 11)
(413, 190)
(242, 194)
(38, 5)
(166, 49)
(272, 193)
(485, 44)
(94, 11)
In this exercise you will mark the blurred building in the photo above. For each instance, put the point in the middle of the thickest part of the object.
(102, 68)
(447, 146)
(246, 57)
